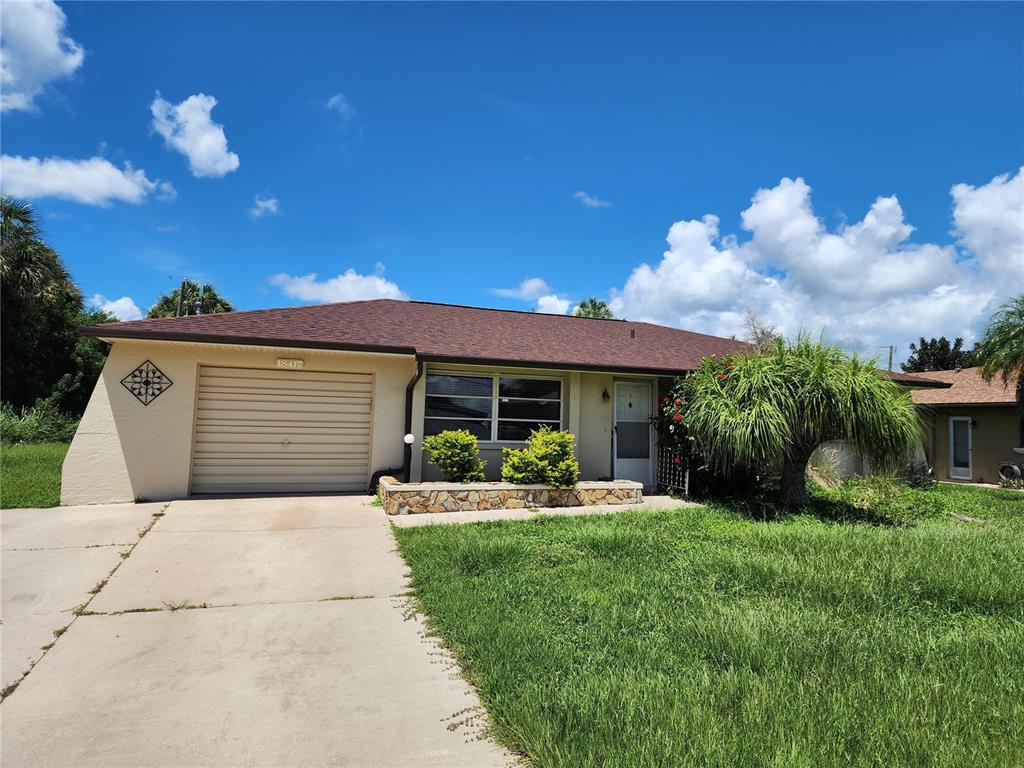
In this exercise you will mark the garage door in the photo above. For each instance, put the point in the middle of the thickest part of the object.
(281, 431)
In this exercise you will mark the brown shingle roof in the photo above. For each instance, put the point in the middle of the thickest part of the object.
(968, 388)
(916, 379)
(444, 332)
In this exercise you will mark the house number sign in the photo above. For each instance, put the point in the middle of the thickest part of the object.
(291, 362)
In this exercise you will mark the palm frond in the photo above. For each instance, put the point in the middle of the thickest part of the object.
(1001, 350)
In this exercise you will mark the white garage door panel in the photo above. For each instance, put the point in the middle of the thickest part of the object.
(279, 431)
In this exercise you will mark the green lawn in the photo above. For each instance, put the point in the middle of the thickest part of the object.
(30, 474)
(705, 637)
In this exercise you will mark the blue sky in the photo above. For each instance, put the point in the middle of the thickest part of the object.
(469, 148)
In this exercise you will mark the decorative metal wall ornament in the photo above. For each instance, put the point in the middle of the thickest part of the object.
(147, 382)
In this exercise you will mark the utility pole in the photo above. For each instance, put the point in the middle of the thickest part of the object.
(891, 348)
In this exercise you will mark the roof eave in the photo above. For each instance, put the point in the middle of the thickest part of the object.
(550, 365)
(922, 383)
(106, 332)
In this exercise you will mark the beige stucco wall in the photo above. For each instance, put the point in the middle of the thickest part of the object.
(125, 451)
(581, 390)
(595, 435)
(993, 438)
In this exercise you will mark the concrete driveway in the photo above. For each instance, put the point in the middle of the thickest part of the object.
(256, 632)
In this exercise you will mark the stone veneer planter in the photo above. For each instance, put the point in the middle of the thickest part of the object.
(420, 498)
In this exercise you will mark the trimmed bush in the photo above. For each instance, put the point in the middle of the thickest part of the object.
(522, 466)
(38, 424)
(548, 459)
(456, 454)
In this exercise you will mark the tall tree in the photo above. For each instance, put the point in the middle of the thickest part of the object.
(593, 307)
(29, 268)
(773, 408)
(197, 300)
(938, 355)
(758, 333)
(1001, 352)
(44, 358)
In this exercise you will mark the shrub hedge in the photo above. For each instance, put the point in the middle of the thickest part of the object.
(548, 459)
(456, 453)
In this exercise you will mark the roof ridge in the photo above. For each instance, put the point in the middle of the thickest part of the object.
(518, 311)
(236, 312)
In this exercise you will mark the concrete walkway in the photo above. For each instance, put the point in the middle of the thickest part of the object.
(256, 632)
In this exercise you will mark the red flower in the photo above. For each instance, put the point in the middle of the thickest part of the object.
(677, 460)
(721, 376)
(677, 417)
(678, 402)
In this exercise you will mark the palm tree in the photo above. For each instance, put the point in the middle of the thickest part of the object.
(1001, 351)
(29, 268)
(773, 408)
(593, 308)
(197, 300)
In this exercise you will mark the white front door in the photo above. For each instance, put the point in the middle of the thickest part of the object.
(633, 410)
(960, 447)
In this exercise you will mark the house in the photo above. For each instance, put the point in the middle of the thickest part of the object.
(971, 427)
(323, 398)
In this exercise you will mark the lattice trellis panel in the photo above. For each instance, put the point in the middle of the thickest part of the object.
(671, 475)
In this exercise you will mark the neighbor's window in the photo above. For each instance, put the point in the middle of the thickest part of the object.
(457, 401)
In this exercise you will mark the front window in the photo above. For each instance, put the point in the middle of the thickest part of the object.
(527, 404)
(493, 408)
(459, 402)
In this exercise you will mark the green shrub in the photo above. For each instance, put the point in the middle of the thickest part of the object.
(456, 454)
(39, 424)
(548, 459)
(918, 475)
(522, 466)
(1014, 484)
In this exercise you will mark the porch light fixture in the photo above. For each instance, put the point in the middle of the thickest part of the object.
(605, 396)
(409, 439)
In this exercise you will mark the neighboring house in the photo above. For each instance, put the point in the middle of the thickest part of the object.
(320, 398)
(972, 426)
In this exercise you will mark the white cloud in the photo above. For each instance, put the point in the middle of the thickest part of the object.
(165, 191)
(95, 181)
(348, 286)
(864, 285)
(339, 103)
(536, 288)
(531, 288)
(264, 206)
(553, 305)
(34, 51)
(591, 201)
(189, 128)
(990, 222)
(123, 308)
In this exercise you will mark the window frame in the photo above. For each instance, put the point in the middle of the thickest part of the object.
(496, 399)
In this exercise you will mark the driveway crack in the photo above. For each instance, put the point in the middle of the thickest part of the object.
(74, 546)
(83, 609)
(170, 607)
